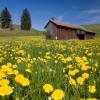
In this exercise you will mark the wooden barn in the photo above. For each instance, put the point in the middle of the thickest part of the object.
(65, 31)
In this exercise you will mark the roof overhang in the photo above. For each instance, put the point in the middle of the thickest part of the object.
(76, 27)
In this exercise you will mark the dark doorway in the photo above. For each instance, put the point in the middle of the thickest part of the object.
(81, 36)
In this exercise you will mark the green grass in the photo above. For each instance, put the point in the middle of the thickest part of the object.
(18, 32)
(22, 38)
(95, 28)
(51, 67)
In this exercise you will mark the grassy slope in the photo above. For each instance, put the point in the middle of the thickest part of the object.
(95, 28)
(18, 32)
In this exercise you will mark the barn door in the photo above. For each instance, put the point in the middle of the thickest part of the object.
(81, 36)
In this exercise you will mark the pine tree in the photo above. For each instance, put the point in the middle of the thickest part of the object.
(5, 18)
(25, 20)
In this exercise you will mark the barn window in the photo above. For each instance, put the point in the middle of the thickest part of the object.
(80, 32)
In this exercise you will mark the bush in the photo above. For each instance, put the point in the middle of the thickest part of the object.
(48, 35)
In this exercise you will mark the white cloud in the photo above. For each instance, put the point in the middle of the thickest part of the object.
(90, 16)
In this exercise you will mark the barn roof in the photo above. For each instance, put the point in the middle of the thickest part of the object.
(68, 25)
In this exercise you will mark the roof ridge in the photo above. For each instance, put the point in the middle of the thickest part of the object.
(73, 26)
(68, 23)
(77, 26)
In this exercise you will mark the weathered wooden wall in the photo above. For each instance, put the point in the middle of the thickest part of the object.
(52, 29)
(89, 36)
(67, 34)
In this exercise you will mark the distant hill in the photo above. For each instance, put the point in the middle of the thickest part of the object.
(17, 31)
(93, 27)
(33, 32)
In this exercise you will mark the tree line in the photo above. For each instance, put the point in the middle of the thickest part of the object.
(6, 19)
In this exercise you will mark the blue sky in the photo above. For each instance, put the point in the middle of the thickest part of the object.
(71, 11)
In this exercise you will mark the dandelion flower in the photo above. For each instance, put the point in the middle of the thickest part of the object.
(4, 82)
(58, 94)
(92, 99)
(6, 90)
(72, 81)
(92, 89)
(85, 75)
(28, 70)
(68, 59)
(80, 80)
(22, 80)
(48, 88)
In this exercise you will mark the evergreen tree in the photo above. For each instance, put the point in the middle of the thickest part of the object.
(25, 20)
(5, 18)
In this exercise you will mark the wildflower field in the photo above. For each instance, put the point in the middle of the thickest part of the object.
(49, 70)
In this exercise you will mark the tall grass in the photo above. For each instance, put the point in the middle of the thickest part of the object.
(46, 59)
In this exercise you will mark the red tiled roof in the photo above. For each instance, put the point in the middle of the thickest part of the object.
(68, 25)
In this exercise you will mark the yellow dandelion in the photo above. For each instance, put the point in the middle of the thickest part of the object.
(14, 66)
(80, 80)
(22, 80)
(2, 74)
(58, 94)
(84, 67)
(73, 72)
(48, 88)
(25, 82)
(85, 75)
(9, 64)
(68, 59)
(72, 81)
(28, 70)
(92, 89)
(6, 90)
(92, 99)
(84, 58)
(15, 72)
(4, 82)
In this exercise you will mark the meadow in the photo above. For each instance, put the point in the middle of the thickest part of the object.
(33, 68)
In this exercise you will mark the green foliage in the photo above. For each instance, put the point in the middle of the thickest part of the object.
(25, 20)
(48, 35)
(5, 18)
